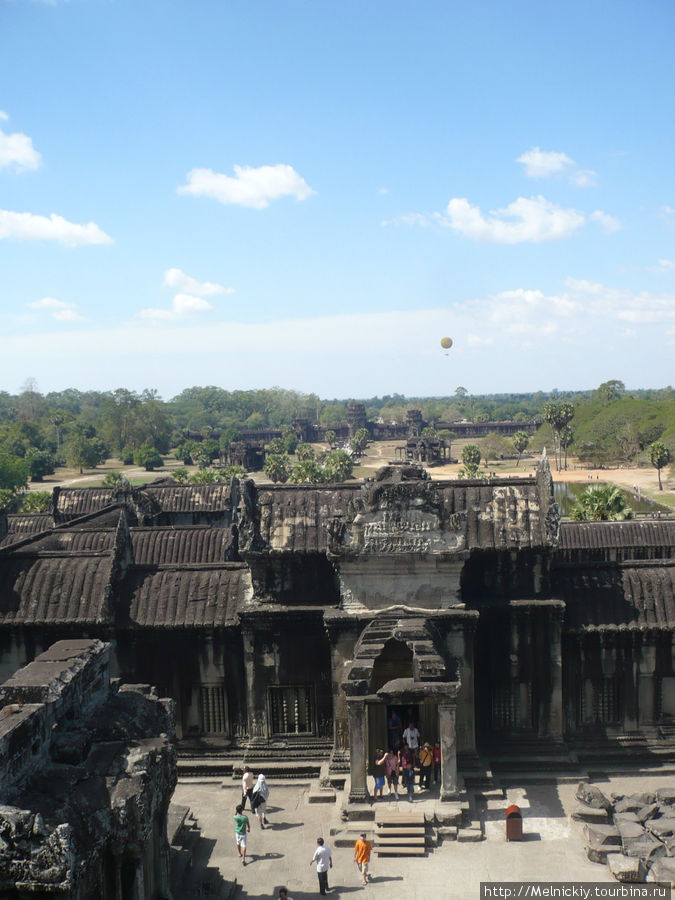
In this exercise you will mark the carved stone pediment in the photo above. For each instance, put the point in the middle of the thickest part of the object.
(398, 516)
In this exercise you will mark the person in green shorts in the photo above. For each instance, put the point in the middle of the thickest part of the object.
(241, 827)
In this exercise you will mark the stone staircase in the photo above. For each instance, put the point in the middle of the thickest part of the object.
(650, 750)
(529, 760)
(400, 834)
(288, 759)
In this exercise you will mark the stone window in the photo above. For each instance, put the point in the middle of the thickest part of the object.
(212, 709)
(291, 709)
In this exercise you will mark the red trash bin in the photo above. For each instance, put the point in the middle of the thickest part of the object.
(514, 823)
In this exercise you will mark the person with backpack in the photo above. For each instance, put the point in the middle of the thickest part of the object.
(261, 793)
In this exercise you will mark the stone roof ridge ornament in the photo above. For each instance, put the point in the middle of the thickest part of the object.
(550, 514)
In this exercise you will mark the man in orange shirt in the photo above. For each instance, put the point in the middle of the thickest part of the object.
(362, 850)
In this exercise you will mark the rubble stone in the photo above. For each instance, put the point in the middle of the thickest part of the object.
(593, 796)
(626, 868)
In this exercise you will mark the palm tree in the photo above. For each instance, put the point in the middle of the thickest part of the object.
(601, 503)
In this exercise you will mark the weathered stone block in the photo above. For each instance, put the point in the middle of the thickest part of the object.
(629, 804)
(629, 829)
(584, 813)
(625, 817)
(647, 812)
(661, 827)
(646, 847)
(626, 868)
(592, 796)
(605, 835)
(447, 833)
(598, 852)
(471, 834)
(666, 795)
(663, 871)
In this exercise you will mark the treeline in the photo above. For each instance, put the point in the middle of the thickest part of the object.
(81, 429)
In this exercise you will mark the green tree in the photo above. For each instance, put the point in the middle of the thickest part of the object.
(180, 475)
(13, 472)
(520, 441)
(330, 437)
(360, 440)
(338, 466)
(277, 467)
(307, 472)
(186, 452)
(304, 452)
(291, 442)
(429, 432)
(493, 446)
(35, 502)
(82, 452)
(115, 479)
(40, 463)
(558, 414)
(206, 476)
(276, 446)
(148, 456)
(659, 456)
(601, 503)
(471, 456)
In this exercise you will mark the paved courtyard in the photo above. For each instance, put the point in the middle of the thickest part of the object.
(553, 849)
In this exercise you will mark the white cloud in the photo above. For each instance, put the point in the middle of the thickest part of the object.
(532, 219)
(30, 227)
(175, 278)
(383, 191)
(584, 178)
(544, 163)
(409, 219)
(3, 115)
(58, 309)
(665, 265)
(609, 224)
(17, 150)
(183, 307)
(250, 187)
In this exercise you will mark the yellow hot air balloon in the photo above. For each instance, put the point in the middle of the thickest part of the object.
(446, 343)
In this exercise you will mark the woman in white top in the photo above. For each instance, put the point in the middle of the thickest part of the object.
(259, 799)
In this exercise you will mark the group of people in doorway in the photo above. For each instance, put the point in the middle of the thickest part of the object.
(406, 759)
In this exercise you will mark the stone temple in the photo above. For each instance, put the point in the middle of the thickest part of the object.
(289, 622)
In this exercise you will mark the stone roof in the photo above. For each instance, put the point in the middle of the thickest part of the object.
(463, 515)
(55, 589)
(186, 597)
(74, 502)
(637, 595)
(168, 545)
(634, 533)
(190, 498)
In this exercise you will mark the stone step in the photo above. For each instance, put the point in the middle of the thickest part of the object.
(385, 841)
(401, 851)
(382, 817)
(321, 795)
(394, 831)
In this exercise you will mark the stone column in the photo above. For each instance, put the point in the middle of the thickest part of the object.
(647, 686)
(357, 756)
(554, 726)
(446, 729)
(257, 713)
(630, 673)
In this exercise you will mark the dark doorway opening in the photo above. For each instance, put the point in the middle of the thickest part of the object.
(398, 718)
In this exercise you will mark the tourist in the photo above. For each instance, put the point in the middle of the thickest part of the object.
(411, 736)
(395, 729)
(426, 760)
(324, 861)
(362, 850)
(409, 775)
(379, 773)
(261, 793)
(241, 826)
(437, 761)
(246, 786)
(391, 767)
(406, 764)
(283, 894)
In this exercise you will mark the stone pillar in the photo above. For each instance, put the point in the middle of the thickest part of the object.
(257, 714)
(554, 726)
(630, 673)
(647, 685)
(357, 756)
(342, 637)
(446, 729)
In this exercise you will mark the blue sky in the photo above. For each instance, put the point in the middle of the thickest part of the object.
(312, 194)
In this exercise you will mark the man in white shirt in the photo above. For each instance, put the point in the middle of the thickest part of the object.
(324, 860)
(246, 786)
(412, 738)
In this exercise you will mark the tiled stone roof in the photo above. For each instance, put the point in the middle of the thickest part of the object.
(186, 597)
(195, 545)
